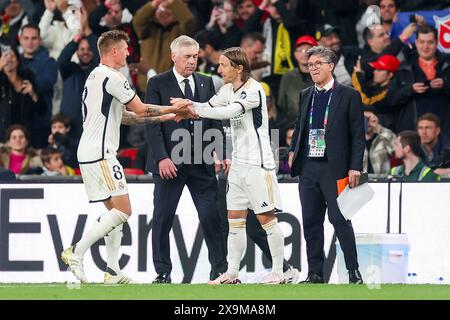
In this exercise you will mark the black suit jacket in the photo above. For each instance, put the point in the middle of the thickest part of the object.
(160, 89)
(344, 135)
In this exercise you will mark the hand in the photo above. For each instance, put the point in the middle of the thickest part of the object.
(167, 169)
(408, 32)
(226, 165)
(222, 18)
(264, 4)
(50, 5)
(180, 102)
(419, 87)
(290, 159)
(27, 87)
(353, 178)
(51, 139)
(357, 67)
(189, 113)
(3, 61)
(85, 29)
(437, 83)
(183, 108)
(420, 20)
(214, 17)
(62, 5)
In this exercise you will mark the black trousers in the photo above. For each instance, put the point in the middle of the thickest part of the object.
(167, 193)
(318, 190)
(254, 229)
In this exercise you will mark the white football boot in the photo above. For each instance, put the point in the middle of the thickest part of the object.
(225, 278)
(112, 277)
(75, 264)
(291, 275)
(273, 278)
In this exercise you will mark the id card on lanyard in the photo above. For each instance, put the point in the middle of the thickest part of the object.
(317, 136)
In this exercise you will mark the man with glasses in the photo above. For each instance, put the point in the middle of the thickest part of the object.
(295, 80)
(327, 146)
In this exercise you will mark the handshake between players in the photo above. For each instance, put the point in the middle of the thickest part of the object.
(183, 109)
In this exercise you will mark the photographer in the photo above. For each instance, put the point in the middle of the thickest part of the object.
(20, 101)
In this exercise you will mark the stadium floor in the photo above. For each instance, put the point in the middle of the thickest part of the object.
(230, 292)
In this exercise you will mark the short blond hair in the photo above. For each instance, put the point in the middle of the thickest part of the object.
(109, 38)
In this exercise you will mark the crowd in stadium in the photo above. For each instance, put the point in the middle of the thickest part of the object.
(48, 49)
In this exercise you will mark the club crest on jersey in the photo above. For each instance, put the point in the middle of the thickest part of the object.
(243, 95)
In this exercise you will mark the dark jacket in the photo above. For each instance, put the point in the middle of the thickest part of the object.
(94, 23)
(435, 101)
(344, 135)
(16, 107)
(45, 71)
(392, 103)
(160, 89)
(340, 13)
(74, 77)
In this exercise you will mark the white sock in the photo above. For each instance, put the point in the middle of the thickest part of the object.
(275, 238)
(102, 226)
(113, 241)
(237, 242)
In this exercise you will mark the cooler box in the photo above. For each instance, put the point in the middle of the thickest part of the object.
(382, 258)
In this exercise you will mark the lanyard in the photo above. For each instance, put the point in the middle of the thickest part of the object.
(325, 119)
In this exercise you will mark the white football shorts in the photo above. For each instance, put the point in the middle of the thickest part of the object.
(103, 179)
(254, 188)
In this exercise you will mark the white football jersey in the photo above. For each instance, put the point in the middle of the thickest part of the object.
(105, 91)
(249, 129)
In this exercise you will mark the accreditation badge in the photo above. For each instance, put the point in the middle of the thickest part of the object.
(316, 143)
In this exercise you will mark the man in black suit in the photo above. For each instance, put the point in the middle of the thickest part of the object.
(173, 169)
(327, 145)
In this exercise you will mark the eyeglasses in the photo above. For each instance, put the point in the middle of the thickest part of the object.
(317, 64)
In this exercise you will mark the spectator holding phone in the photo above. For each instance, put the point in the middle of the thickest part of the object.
(386, 92)
(20, 102)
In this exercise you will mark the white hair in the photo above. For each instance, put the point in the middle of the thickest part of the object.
(183, 41)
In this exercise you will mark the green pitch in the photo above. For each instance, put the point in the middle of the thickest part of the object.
(230, 292)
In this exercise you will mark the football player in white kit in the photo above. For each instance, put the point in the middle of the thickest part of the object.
(105, 95)
(252, 180)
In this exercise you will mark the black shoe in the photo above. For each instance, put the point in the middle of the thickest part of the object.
(354, 276)
(313, 278)
(163, 278)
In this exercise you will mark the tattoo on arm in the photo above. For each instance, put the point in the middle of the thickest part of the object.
(152, 111)
(130, 118)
